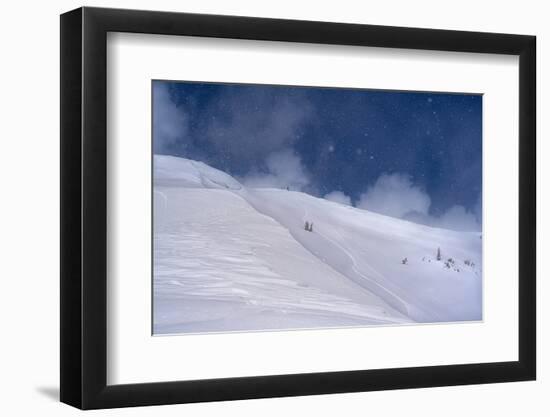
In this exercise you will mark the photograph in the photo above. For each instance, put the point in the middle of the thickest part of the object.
(264, 208)
(293, 207)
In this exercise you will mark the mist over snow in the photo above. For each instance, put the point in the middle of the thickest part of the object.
(455, 218)
(284, 170)
(395, 195)
(170, 124)
(338, 197)
(412, 156)
(251, 125)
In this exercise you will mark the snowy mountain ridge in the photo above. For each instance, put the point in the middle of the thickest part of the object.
(191, 174)
(229, 258)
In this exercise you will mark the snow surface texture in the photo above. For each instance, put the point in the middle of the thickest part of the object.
(231, 258)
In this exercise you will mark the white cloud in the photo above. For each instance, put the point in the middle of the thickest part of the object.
(244, 129)
(252, 123)
(457, 218)
(170, 123)
(338, 197)
(395, 195)
(284, 168)
(478, 209)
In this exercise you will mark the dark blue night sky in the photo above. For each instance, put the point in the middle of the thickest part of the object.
(344, 139)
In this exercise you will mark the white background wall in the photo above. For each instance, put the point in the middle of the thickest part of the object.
(29, 237)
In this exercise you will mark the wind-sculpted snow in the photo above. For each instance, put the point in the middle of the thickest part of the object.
(227, 258)
(180, 172)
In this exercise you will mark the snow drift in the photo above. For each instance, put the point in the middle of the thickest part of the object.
(231, 258)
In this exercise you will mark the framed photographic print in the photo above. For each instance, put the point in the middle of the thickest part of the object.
(257, 208)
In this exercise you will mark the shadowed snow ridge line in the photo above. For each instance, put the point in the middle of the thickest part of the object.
(335, 255)
(360, 245)
(394, 300)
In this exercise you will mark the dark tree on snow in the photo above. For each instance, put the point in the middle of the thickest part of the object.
(307, 226)
(438, 254)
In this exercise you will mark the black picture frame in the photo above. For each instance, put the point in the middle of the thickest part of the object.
(84, 207)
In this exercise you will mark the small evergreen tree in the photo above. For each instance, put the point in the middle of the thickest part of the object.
(404, 261)
(307, 226)
(311, 227)
(438, 254)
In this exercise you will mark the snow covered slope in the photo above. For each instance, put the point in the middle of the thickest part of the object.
(169, 170)
(369, 249)
(227, 258)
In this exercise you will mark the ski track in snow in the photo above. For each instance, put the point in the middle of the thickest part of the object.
(402, 305)
(430, 300)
